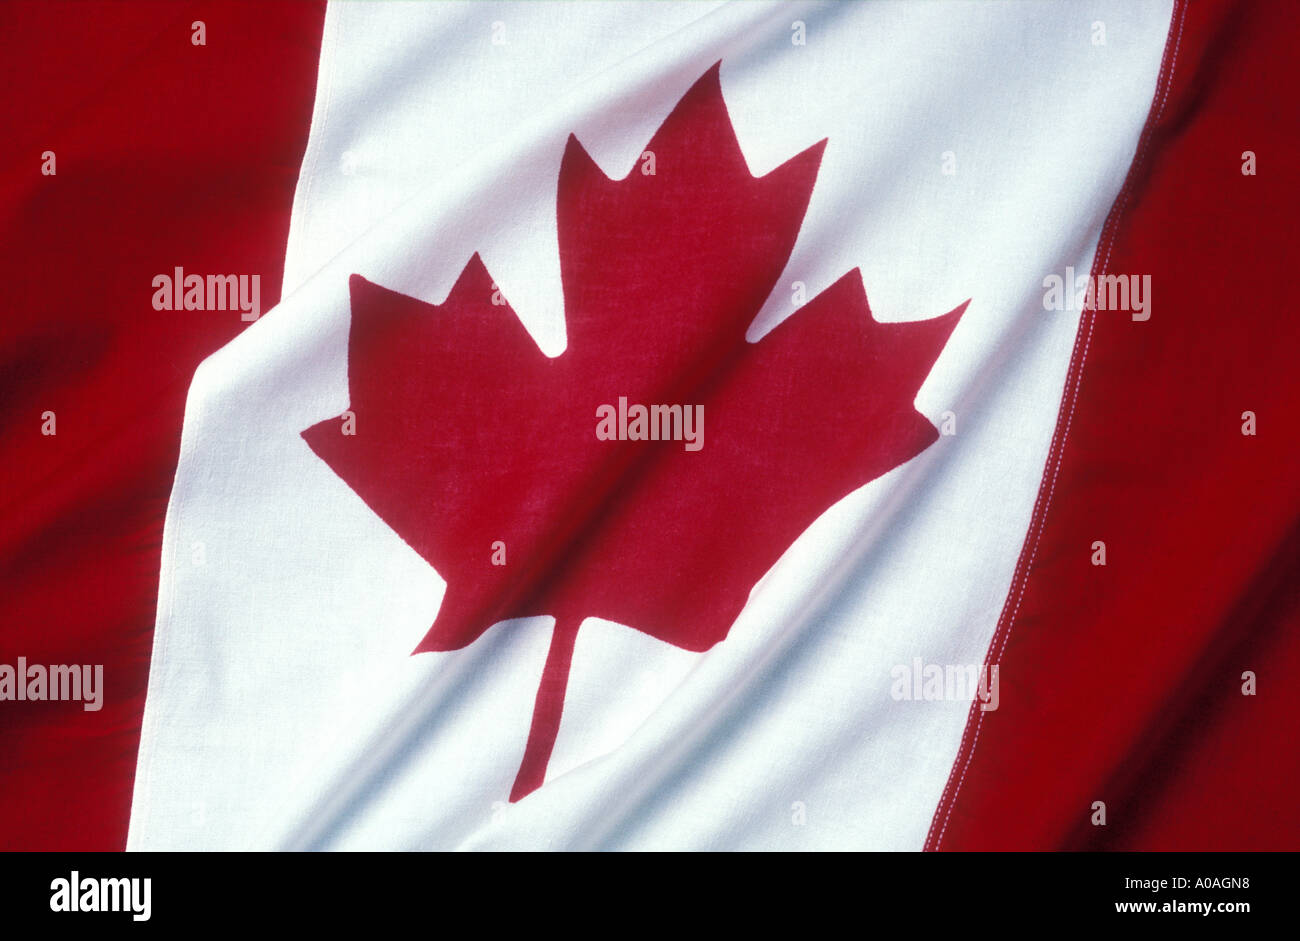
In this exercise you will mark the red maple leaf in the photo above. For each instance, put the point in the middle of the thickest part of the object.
(467, 435)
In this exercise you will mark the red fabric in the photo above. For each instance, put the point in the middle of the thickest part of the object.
(167, 154)
(1123, 683)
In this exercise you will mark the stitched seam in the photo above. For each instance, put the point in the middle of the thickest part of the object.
(1000, 638)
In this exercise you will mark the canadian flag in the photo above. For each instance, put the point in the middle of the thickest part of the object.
(649, 426)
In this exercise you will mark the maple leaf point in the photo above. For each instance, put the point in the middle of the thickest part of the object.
(477, 448)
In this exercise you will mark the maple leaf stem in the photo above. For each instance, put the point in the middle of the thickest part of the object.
(547, 709)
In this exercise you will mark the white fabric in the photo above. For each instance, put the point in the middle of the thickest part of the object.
(285, 709)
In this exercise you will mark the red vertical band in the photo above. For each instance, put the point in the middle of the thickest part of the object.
(166, 152)
(1126, 684)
